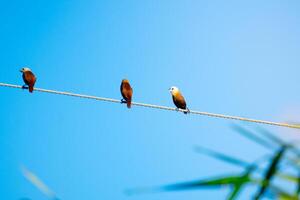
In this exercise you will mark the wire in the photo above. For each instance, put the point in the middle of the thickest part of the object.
(159, 107)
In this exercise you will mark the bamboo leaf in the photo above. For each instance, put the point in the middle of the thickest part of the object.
(221, 156)
(281, 194)
(212, 183)
(233, 195)
(271, 171)
(251, 136)
(271, 136)
(38, 183)
(215, 182)
(239, 186)
(298, 185)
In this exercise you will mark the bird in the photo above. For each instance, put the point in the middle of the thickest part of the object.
(126, 92)
(178, 99)
(29, 79)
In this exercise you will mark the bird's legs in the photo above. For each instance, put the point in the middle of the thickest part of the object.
(25, 87)
(123, 101)
(188, 111)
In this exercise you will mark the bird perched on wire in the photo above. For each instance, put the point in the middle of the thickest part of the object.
(126, 92)
(178, 99)
(29, 78)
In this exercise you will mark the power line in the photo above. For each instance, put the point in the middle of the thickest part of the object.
(229, 117)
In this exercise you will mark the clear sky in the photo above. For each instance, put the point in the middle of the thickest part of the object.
(231, 57)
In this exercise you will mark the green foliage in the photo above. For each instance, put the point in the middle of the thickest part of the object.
(283, 152)
(270, 173)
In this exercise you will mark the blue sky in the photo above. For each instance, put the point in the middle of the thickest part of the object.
(233, 57)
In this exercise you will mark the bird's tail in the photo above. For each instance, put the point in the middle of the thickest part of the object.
(129, 104)
(30, 88)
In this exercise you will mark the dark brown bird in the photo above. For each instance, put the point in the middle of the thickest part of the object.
(29, 78)
(126, 92)
(178, 99)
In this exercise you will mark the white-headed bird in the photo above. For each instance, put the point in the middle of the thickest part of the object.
(178, 99)
(126, 92)
(29, 78)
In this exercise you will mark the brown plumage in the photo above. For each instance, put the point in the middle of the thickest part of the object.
(126, 92)
(179, 102)
(29, 78)
(178, 99)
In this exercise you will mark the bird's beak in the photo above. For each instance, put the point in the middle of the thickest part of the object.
(21, 70)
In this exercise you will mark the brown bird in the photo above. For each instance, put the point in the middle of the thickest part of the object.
(178, 99)
(126, 92)
(29, 78)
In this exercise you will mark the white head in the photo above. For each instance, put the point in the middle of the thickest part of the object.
(174, 90)
(25, 69)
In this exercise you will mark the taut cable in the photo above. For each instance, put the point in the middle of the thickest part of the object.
(229, 117)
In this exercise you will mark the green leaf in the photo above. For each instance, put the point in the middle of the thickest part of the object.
(271, 136)
(279, 141)
(271, 171)
(221, 156)
(298, 185)
(281, 194)
(239, 186)
(249, 135)
(237, 189)
(214, 182)
(288, 177)
(223, 181)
